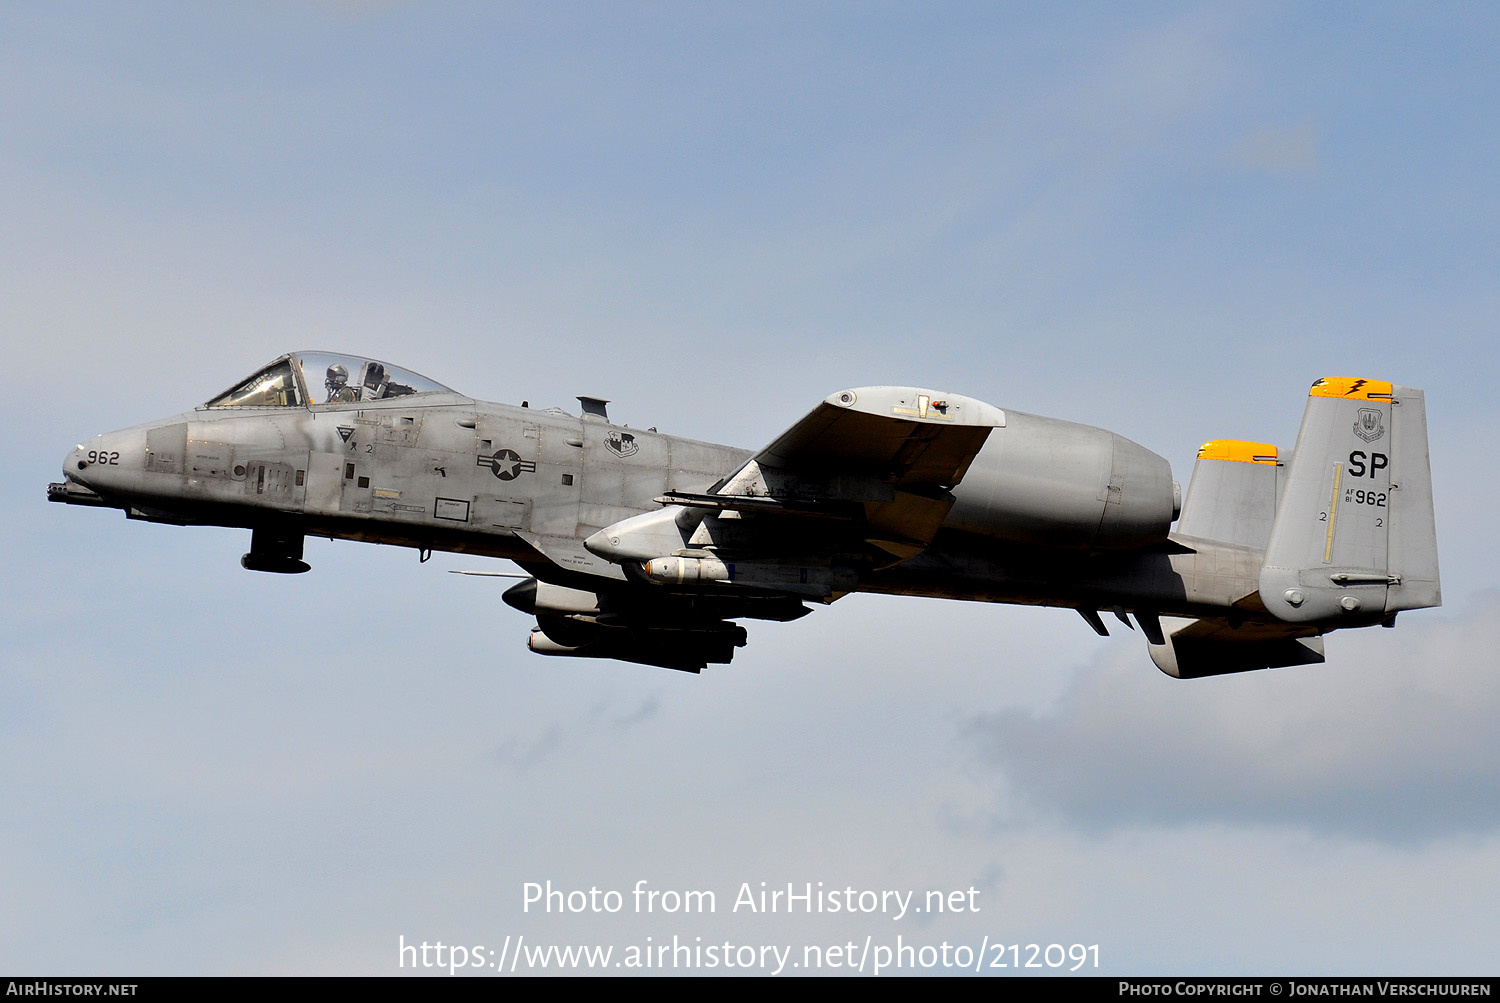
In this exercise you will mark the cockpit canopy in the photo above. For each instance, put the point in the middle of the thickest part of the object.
(303, 379)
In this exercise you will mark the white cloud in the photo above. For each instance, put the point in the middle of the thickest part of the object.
(1391, 740)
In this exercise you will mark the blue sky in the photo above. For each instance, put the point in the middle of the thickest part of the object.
(1166, 219)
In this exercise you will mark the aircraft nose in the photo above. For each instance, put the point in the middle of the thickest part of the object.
(107, 461)
(76, 461)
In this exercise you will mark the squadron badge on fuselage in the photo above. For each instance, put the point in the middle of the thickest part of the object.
(621, 443)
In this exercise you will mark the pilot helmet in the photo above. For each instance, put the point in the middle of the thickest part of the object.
(337, 377)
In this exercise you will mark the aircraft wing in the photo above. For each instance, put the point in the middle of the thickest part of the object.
(881, 457)
(863, 479)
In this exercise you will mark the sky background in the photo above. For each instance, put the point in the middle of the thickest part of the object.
(1162, 218)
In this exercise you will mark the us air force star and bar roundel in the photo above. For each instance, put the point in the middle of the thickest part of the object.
(506, 464)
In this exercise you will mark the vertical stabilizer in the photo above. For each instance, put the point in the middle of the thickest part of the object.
(1413, 542)
(1353, 537)
(1232, 496)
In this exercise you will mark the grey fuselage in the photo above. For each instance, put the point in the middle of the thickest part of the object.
(1030, 521)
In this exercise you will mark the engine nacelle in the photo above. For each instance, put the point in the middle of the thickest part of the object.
(1054, 483)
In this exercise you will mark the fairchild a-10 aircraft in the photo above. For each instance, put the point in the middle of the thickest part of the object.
(647, 547)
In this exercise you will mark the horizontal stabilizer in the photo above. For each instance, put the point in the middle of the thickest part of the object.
(1192, 649)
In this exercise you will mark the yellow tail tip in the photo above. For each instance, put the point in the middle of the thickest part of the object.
(1238, 451)
(1349, 388)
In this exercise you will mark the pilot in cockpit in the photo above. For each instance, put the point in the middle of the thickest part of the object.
(339, 390)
